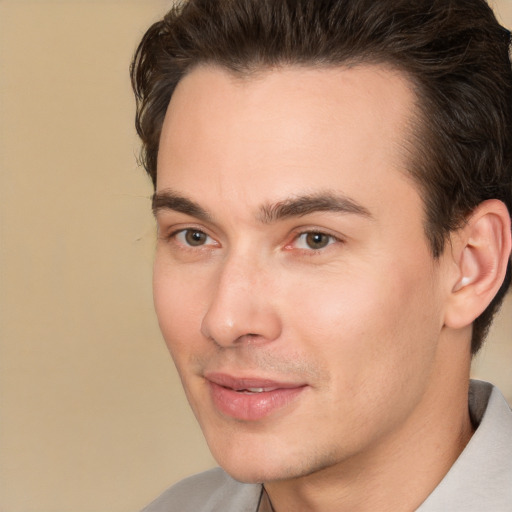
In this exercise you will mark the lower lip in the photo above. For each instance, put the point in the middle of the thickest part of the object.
(251, 406)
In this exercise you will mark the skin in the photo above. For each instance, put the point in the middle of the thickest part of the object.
(359, 320)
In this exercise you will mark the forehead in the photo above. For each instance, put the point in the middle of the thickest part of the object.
(285, 131)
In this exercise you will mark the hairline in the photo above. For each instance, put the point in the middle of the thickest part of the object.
(416, 123)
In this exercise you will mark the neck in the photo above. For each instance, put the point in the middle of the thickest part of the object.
(400, 471)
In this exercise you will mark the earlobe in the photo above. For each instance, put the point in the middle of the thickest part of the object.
(482, 256)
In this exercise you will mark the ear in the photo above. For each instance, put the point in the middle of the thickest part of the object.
(481, 252)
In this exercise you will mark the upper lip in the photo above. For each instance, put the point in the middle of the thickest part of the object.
(239, 383)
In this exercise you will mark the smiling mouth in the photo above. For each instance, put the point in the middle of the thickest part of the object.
(250, 399)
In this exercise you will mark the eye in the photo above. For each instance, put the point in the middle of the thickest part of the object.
(314, 240)
(192, 237)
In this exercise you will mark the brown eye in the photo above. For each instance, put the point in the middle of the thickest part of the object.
(317, 240)
(195, 238)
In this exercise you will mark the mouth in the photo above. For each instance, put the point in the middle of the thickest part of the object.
(251, 399)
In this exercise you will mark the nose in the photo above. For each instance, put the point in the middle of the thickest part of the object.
(242, 306)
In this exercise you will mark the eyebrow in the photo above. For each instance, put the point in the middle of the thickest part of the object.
(294, 207)
(168, 200)
(307, 204)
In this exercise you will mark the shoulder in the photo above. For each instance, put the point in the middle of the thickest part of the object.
(211, 491)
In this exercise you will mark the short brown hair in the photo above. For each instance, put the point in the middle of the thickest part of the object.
(454, 52)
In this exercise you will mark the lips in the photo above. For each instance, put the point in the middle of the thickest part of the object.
(250, 399)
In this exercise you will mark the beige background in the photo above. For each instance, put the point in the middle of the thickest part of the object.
(92, 414)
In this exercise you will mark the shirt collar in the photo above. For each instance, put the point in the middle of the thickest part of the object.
(481, 478)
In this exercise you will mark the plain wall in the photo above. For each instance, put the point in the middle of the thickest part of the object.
(92, 416)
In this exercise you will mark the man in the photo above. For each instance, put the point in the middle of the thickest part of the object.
(333, 187)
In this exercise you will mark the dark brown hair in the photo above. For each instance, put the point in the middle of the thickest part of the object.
(454, 52)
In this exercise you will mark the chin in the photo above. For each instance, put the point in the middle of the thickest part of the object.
(256, 475)
(249, 468)
(263, 467)
(246, 469)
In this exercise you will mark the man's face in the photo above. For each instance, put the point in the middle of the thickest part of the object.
(293, 282)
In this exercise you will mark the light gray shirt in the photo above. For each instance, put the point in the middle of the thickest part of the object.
(480, 480)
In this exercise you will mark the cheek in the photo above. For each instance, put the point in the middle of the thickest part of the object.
(373, 338)
(368, 324)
